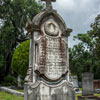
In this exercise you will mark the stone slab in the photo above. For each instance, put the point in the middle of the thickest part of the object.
(75, 81)
(87, 84)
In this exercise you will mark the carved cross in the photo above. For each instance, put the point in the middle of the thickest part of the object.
(48, 3)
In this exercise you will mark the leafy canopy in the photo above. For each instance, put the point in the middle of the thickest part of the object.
(13, 17)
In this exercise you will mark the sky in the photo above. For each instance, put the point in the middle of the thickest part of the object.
(78, 15)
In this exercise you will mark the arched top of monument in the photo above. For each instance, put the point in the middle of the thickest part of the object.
(46, 14)
(38, 20)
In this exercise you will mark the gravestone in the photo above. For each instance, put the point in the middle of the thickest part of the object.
(48, 75)
(87, 84)
(75, 81)
(19, 81)
(87, 87)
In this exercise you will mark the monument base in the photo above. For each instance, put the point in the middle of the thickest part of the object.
(43, 91)
(88, 98)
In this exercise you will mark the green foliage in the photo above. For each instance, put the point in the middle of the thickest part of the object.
(83, 57)
(95, 34)
(9, 81)
(87, 40)
(14, 15)
(86, 55)
(20, 58)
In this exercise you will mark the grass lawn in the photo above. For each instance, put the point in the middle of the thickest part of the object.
(7, 96)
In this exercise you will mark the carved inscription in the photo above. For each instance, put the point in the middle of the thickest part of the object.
(52, 52)
(52, 57)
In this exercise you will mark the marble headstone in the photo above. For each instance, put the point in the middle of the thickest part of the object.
(48, 75)
(87, 84)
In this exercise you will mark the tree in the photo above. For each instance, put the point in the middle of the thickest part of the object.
(79, 59)
(95, 34)
(82, 56)
(20, 59)
(13, 17)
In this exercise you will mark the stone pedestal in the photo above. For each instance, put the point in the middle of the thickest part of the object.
(48, 75)
(43, 91)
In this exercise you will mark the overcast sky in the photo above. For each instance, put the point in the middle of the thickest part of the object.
(77, 14)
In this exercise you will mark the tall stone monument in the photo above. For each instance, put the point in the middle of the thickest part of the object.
(48, 75)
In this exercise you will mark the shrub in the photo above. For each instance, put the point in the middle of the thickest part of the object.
(20, 59)
(9, 81)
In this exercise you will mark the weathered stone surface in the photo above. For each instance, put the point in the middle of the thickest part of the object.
(48, 76)
(42, 91)
(52, 58)
(87, 84)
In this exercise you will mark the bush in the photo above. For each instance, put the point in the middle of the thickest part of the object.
(20, 59)
(9, 81)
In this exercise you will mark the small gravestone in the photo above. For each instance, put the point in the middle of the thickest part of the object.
(87, 84)
(87, 88)
(19, 82)
(75, 81)
(48, 75)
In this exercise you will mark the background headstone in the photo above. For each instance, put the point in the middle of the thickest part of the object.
(87, 87)
(19, 82)
(87, 84)
(75, 81)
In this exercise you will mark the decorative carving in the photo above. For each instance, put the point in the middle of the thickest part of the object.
(52, 56)
(51, 28)
(28, 77)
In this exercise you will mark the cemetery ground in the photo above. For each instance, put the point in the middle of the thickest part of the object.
(7, 96)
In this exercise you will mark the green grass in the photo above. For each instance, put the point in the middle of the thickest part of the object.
(80, 89)
(77, 96)
(97, 95)
(7, 96)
